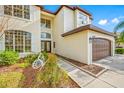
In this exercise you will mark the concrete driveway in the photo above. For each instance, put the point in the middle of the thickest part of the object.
(112, 78)
(114, 63)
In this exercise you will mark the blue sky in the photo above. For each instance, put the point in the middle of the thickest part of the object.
(104, 16)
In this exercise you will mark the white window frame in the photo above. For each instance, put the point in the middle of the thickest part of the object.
(82, 19)
(22, 13)
(44, 27)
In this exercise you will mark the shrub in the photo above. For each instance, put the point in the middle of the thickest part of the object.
(52, 75)
(23, 65)
(45, 55)
(8, 57)
(11, 79)
(30, 58)
(119, 50)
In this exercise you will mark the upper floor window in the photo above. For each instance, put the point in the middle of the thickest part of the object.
(45, 35)
(45, 23)
(22, 11)
(8, 9)
(18, 10)
(82, 18)
(26, 11)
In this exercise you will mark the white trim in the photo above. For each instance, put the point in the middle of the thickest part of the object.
(15, 17)
(45, 39)
(46, 18)
(89, 53)
(47, 14)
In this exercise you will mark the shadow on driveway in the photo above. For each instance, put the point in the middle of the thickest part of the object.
(115, 62)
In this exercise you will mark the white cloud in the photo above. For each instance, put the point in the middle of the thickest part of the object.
(121, 17)
(115, 20)
(103, 22)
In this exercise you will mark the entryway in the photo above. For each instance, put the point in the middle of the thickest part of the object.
(46, 46)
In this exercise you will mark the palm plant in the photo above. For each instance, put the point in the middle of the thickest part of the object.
(119, 27)
(119, 40)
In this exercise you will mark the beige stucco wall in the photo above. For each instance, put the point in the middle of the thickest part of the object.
(71, 18)
(68, 15)
(72, 46)
(58, 29)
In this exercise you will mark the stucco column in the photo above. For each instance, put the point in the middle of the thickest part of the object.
(89, 49)
(113, 47)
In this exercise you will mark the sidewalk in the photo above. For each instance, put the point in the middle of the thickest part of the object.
(81, 78)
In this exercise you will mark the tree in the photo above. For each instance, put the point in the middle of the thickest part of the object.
(3, 25)
(119, 38)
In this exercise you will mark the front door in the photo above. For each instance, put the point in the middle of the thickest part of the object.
(46, 46)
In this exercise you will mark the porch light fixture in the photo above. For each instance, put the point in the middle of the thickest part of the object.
(91, 39)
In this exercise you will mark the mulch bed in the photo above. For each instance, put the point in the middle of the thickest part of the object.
(93, 68)
(90, 69)
(30, 74)
(10, 68)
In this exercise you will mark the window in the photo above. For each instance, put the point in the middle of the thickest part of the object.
(82, 18)
(26, 11)
(45, 23)
(27, 42)
(19, 41)
(18, 11)
(48, 24)
(54, 44)
(9, 40)
(8, 9)
(45, 35)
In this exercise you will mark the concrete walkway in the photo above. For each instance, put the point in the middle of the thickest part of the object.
(109, 79)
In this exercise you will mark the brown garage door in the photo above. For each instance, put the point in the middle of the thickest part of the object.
(101, 48)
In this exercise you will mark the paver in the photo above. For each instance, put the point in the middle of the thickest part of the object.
(81, 77)
(98, 84)
(76, 74)
(66, 66)
(113, 78)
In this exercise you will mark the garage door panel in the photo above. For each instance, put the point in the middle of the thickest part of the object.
(100, 48)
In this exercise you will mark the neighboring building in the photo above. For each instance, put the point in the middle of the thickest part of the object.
(67, 32)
